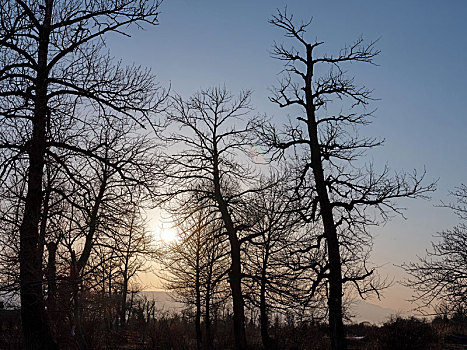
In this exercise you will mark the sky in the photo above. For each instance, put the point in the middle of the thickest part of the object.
(419, 80)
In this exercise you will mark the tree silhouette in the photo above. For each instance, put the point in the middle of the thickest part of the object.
(209, 163)
(441, 275)
(196, 268)
(52, 70)
(277, 263)
(345, 196)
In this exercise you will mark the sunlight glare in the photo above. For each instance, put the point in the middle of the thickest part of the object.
(166, 234)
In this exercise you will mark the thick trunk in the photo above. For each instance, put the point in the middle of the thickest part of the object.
(35, 327)
(235, 279)
(335, 268)
(235, 274)
(78, 332)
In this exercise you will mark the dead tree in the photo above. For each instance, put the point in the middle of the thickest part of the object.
(344, 193)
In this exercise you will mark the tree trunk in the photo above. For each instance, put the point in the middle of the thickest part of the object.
(235, 276)
(75, 281)
(207, 317)
(268, 343)
(35, 327)
(335, 267)
(198, 310)
(52, 284)
(125, 278)
(124, 294)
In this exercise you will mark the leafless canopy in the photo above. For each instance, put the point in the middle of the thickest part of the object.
(338, 189)
(440, 277)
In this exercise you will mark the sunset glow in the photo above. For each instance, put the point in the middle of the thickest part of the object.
(165, 233)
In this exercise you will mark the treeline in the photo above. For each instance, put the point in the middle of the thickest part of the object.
(270, 218)
(150, 327)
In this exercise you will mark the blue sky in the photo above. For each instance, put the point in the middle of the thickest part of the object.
(420, 81)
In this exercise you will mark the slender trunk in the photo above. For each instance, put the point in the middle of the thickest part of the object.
(125, 277)
(207, 322)
(93, 224)
(335, 268)
(52, 283)
(199, 336)
(109, 300)
(124, 293)
(75, 280)
(43, 222)
(82, 344)
(207, 306)
(78, 266)
(35, 327)
(130, 309)
(268, 343)
(198, 312)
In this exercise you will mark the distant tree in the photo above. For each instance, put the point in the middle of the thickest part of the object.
(345, 196)
(135, 248)
(51, 70)
(195, 268)
(441, 276)
(278, 265)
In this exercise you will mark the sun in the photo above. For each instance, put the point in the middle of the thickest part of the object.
(165, 233)
(162, 227)
(168, 234)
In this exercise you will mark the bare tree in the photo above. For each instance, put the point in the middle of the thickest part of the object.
(11, 211)
(345, 197)
(106, 189)
(441, 275)
(207, 165)
(51, 69)
(196, 268)
(277, 262)
(134, 247)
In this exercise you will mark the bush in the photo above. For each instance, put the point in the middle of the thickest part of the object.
(407, 334)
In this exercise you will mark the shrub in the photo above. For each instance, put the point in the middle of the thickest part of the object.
(407, 333)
